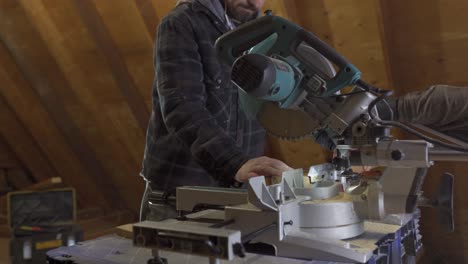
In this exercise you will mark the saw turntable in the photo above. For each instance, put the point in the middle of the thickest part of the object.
(292, 83)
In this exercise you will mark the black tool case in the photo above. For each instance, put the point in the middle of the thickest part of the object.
(41, 221)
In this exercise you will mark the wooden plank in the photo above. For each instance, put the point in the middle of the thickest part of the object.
(20, 178)
(29, 109)
(124, 231)
(89, 213)
(149, 16)
(125, 82)
(128, 31)
(356, 35)
(314, 17)
(298, 153)
(5, 249)
(116, 137)
(5, 233)
(24, 147)
(163, 7)
(138, 63)
(105, 224)
(290, 9)
(4, 185)
(41, 70)
(382, 20)
(7, 158)
(454, 38)
(415, 54)
(54, 182)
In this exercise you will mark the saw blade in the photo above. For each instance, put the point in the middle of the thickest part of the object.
(285, 123)
(292, 124)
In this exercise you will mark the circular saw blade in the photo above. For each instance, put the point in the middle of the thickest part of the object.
(292, 124)
(285, 123)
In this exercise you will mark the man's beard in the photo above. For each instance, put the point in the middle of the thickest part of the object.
(241, 15)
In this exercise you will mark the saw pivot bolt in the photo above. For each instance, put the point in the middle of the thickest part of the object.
(397, 154)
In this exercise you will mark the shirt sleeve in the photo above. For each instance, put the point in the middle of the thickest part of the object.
(182, 94)
(441, 107)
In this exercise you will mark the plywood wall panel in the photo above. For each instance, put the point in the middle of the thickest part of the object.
(107, 46)
(7, 158)
(108, 133)
(40, 69)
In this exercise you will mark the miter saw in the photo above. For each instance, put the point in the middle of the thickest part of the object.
(293, 83)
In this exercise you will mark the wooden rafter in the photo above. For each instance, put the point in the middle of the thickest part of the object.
(48, 82)
(23, 103)
(290, 8)
(108, 47)
(383, 19)
(149, 16)
(23, 146)
(7, 158)
(115, 135)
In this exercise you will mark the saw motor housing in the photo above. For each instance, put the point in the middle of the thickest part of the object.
(289, 79)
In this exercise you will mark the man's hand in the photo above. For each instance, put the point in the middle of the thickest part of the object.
(262, 166)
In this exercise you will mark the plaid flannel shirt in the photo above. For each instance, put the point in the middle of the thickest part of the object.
(197, 134)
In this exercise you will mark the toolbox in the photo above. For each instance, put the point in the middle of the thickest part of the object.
(41, 221)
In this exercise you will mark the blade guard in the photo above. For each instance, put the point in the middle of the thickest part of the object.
(288, 37)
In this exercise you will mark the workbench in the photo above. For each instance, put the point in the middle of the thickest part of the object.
(116, 249)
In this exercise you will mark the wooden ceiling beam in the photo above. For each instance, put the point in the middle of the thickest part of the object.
(115, 135)
(108, 47)
(48, 82)
(421, 43)
(53, 157)
(22, 145)
(149, 16)
(290, 8)
(7, 158)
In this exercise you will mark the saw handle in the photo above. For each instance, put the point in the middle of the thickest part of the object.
(347, 73)
(288, 37)
(232, 44)
(323, 48)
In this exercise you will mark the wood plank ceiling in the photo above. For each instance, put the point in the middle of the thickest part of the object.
(76, 77)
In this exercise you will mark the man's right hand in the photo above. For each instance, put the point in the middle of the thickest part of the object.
(262, 166)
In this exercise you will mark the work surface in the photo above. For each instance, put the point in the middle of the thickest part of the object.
(114, 249)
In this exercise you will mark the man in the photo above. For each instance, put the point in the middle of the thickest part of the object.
(198, 134)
